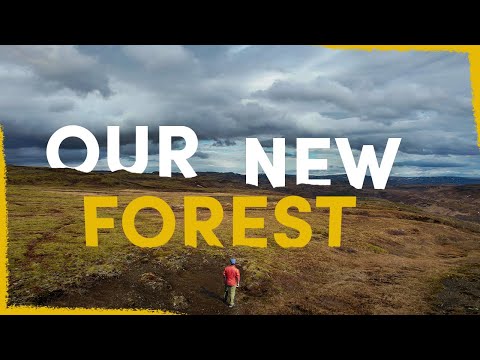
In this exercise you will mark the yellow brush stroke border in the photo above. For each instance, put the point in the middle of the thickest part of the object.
(474, 57)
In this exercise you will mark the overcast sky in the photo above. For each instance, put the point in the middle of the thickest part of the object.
(227, 93)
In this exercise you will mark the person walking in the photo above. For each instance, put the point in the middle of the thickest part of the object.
(231, 276)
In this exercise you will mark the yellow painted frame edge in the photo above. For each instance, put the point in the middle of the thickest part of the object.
(474, 58)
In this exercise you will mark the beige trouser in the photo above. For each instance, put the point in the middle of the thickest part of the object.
(230, 294)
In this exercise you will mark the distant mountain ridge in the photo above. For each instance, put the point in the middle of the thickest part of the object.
(26, 174)
(400, 180)
(342, 179)
(437, 180)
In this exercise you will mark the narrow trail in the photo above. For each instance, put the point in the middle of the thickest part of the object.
(48, 236)
(195, 288)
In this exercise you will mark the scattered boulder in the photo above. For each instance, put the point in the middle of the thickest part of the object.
(152, 281)
(180, 302)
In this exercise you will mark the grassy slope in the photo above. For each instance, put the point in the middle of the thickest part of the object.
(394, 257)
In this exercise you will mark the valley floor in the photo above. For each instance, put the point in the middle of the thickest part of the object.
(394, 259)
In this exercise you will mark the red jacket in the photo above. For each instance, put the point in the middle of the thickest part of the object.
(231, 275)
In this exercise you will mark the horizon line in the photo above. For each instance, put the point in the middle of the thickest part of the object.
(236, 173)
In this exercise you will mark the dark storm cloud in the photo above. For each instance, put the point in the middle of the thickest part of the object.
(222, 143)
(34, 157)
(228, 93)
(397, 101)
(201, 155)
(288, 154)
(60, 66)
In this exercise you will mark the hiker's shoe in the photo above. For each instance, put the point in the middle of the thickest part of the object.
(230, 306)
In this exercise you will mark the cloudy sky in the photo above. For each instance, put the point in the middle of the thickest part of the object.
(227, 93)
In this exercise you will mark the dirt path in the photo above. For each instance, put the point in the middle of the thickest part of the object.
(460, 294)
(194, 288)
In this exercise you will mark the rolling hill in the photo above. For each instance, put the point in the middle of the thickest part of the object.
(413, 248)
